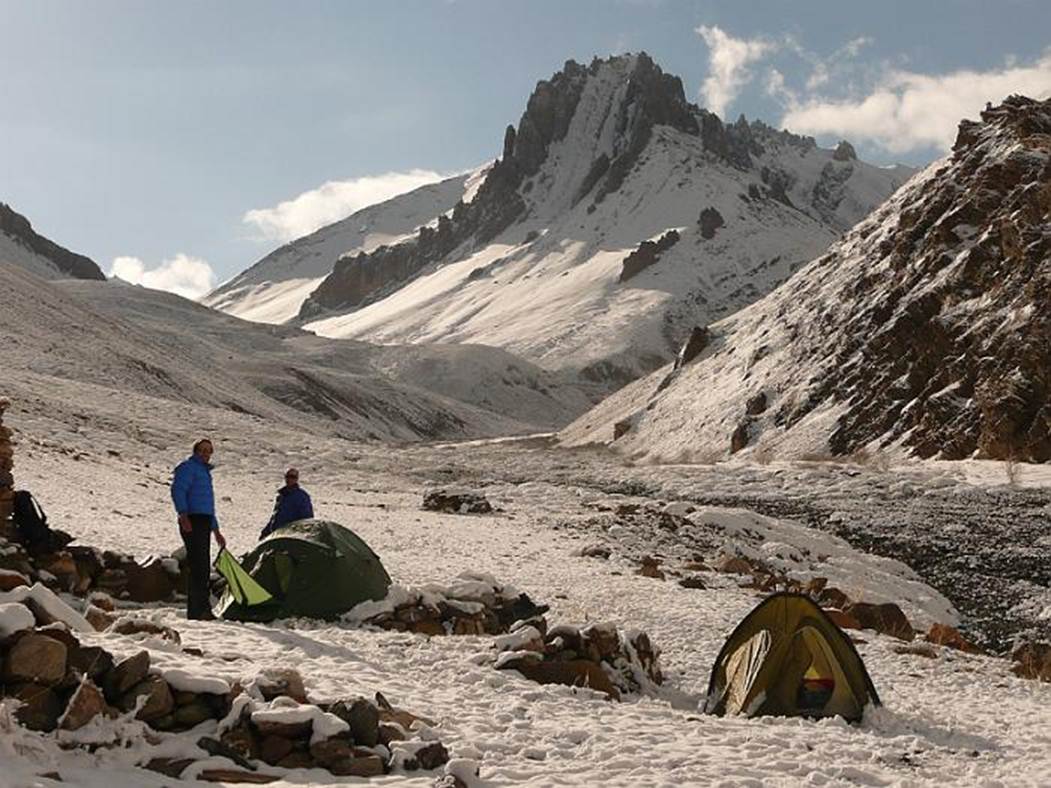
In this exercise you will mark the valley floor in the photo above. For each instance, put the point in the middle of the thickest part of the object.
(955, 718)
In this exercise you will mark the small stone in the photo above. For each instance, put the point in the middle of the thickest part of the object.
(734, 565)
(432, 756)
(330, 751)
(694, 581)
(138, 626)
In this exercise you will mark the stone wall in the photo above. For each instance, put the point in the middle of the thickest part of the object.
(7, 462)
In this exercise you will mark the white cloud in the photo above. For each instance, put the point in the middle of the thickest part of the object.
(908, 111)
(728, 62)
(333, 201)
(190, 277)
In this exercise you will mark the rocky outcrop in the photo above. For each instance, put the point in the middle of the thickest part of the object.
(647, 254)
(69, 263)
(709, 221)
(959, 329)
(927, 325)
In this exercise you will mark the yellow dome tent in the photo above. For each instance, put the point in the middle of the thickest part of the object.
(788, 658)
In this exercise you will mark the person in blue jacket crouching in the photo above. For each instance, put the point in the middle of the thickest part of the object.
(292, 503)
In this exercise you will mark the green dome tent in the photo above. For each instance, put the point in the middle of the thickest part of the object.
(788, 658)
(311, 568)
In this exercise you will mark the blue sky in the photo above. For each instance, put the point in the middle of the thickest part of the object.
(146, 132)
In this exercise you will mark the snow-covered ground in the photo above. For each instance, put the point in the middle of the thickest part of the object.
(956, 718)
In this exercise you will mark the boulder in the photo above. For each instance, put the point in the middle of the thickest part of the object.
(331, 751)
(361, 766)
(699, 339)
(149, 581)
(709, 221)
(456, 502)
(126, 674)
(842, 620)
(10, 580)
(278, 682)
(40, 707)
(86, 703)
(1032, 661)
(363, 718)
(945, 635)
(285, 730)
(886, 618)
(694, 581)
(158, 701)
(733, 565)
(102, 601)
(242, 740)
(36, 659)
(193, 713)
(274, 748)
(98, 618)
(595, 551)
(833, 597)
(572, 673)
(432, 755)
(297, 759)
(91, 661)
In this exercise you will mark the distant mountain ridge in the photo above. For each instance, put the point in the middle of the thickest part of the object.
(928, 327)
(22, 245)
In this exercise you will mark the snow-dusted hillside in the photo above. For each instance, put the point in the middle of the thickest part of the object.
(143, 345)
(605, 158)
(927, 326)
(274, 289)
(21, 245)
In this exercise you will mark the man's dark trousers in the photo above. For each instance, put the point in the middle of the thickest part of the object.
(198, 556)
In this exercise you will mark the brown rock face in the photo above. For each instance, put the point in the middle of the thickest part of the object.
(959, 327)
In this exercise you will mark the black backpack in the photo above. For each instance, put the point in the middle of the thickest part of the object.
(30, 518)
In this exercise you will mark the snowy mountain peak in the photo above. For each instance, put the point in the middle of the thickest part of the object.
(619, 216)
(926, 326)
(21, 245)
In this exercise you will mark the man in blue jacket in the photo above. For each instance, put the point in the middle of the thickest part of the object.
(293, 503)
(194, 502)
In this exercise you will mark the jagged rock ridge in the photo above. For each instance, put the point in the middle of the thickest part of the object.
(39, 254)
(606, 160)
(929, 325)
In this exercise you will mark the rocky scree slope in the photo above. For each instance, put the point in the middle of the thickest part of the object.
(606, 159)
(145, 345)
(927, 326)
(273, 290)
(21, 245)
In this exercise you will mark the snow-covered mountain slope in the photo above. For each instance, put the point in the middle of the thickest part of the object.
(274, 289)
(141, 344)
(546, 260)
(21, 245)
(927, 326)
